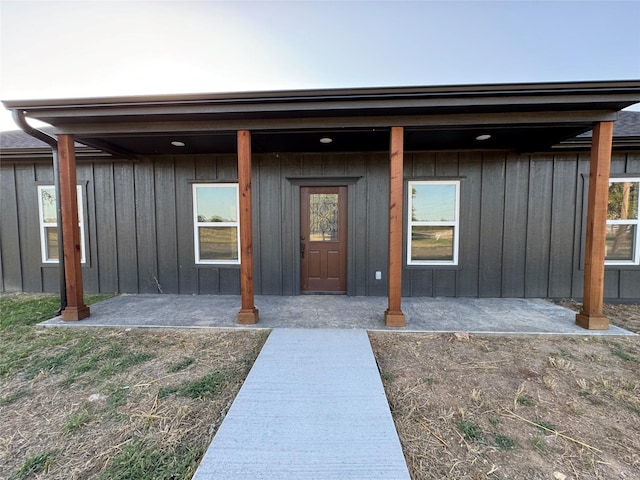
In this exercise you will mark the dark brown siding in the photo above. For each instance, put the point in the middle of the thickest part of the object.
(522, 224)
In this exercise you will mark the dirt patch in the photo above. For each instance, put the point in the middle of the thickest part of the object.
(85, 403)
(473, 407)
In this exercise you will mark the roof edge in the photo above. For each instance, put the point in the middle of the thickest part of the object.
(359, 93)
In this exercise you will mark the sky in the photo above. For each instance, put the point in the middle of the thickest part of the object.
(67, 49)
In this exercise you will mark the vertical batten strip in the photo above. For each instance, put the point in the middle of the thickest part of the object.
(591, 316)
(75, 309)
(248, 313)
(393, 316)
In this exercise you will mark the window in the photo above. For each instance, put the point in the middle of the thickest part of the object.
(49, 223)
(623, 225)
(433, 225)
(216, 228)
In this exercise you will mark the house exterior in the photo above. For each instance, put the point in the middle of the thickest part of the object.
(480, 191)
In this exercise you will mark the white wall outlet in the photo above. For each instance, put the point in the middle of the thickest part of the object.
(378, 275)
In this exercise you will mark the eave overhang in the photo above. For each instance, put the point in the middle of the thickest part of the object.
(435, 117)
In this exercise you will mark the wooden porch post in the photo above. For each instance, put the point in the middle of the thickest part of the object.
(393, 316)
(248, 313)
(591, 315)
(75, 309)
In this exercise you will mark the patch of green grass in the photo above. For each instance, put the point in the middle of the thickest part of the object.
(429, 380)
(526, 401)
(546, 425)
(632, 407)
(471, 431)
(106, 361)
(137, 461)
(387, 376)
(181, 365)
(23, 347)
(126, 361)
(115, 399)
(76, 421)
(504, 443)
(203, 387)
(49, 364)
(494, 421)
(33, 466)
(18, 311)
(72, 346)
(14, 396)
(15, 311)
(618, 352)
(539, 443)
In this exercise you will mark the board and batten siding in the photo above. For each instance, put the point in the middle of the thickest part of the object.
(521, 227)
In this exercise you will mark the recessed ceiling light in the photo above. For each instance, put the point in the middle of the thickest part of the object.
(176, 143)
(326, 140)
(485, 136)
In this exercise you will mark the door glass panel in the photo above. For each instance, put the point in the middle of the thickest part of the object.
(323, 217)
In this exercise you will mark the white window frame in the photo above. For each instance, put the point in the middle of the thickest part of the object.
(44, 225)
(455, 223)
(197, 224)
(635, 260)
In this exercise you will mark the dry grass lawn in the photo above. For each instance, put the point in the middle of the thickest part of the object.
(140, 404)
(84, 403)
(539, 407)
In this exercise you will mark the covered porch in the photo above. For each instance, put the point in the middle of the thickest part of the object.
(511, 316)
(514, 118)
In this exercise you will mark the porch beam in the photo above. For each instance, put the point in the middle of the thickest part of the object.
(248, 313)
(591, 315)
(435, 121)
(75, 309)
(394, 317)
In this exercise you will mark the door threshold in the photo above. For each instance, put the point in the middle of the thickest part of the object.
(323, 293)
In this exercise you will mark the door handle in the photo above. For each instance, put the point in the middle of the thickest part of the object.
(302, 247)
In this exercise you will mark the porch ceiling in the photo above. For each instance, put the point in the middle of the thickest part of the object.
(518, 138)
(521, 117)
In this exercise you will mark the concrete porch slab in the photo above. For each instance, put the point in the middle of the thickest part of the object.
(312, 407)
(473, 315)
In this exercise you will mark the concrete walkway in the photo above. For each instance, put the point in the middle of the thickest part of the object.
(312, 407)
